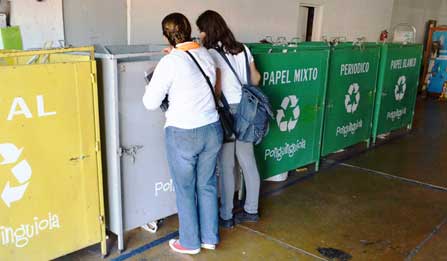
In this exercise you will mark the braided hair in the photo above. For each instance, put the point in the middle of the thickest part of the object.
(176, 28)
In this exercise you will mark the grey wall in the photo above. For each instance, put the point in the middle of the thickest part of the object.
(95, 22)
(418, 12)
(4, 6)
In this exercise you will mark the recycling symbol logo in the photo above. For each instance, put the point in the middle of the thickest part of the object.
(19, 170)
(288, 103)
(352, 98)
(401, 87)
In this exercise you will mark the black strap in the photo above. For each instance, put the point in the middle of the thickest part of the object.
(247, 65)
(222, 97)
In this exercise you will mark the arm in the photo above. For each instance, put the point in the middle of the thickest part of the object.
(218, 88)
(255, 75)
(158, 87)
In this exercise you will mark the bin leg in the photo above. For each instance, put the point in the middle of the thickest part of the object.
(120, 243)
(368, 143)
(317, 165)
(104, 248)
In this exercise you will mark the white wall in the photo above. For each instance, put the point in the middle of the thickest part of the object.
(418, 12)
(356, 18)
(39, 21)
(95, 22)
(105, 21)
(251, 20)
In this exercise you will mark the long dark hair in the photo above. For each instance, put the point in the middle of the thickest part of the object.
(217, 30)
(176, 28)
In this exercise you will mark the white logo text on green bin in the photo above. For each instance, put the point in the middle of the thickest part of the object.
(289, 76)
(403, 63)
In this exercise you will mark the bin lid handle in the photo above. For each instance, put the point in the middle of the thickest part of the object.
(360, 42)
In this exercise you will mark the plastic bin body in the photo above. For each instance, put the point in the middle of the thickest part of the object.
(11, 38)
(140, 189)
(50, 175)
(350, 95)
(397, 87)
(294, 79)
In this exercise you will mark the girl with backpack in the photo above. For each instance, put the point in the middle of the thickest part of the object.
(216, 36)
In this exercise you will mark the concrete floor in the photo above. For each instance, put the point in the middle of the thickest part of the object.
(386, 203)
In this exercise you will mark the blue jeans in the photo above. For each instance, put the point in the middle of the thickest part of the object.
(192, 156)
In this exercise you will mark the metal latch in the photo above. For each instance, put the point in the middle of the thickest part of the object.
(130, 151)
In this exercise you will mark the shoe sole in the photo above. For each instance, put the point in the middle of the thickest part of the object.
(208, 247)
(246, 221)
(226, 224)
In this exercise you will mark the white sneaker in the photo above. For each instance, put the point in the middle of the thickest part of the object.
(175, 245)
(383, 136)
(151, 227)
(208, 246)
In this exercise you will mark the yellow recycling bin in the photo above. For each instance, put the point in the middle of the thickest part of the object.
(51, 200)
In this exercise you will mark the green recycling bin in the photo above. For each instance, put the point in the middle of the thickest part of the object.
(294, 79)
(353, 71)
(397, 87)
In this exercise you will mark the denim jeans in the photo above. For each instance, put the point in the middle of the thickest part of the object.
(192, 156)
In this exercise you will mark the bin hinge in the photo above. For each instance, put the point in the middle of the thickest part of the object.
(98, 146)
(120, 152)
(93, 78)
(101, 220)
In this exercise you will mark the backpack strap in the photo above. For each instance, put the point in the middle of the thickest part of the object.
(222, 97)
(247, 65)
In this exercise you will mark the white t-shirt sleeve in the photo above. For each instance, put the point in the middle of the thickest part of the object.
(159, 85)
(216, 58)
(249, 55)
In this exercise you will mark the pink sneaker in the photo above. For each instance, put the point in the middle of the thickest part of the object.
(175, 245)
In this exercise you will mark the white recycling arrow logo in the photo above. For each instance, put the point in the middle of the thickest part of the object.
(292, 103)
(352, 98)
(21, 171)
(401, 87)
